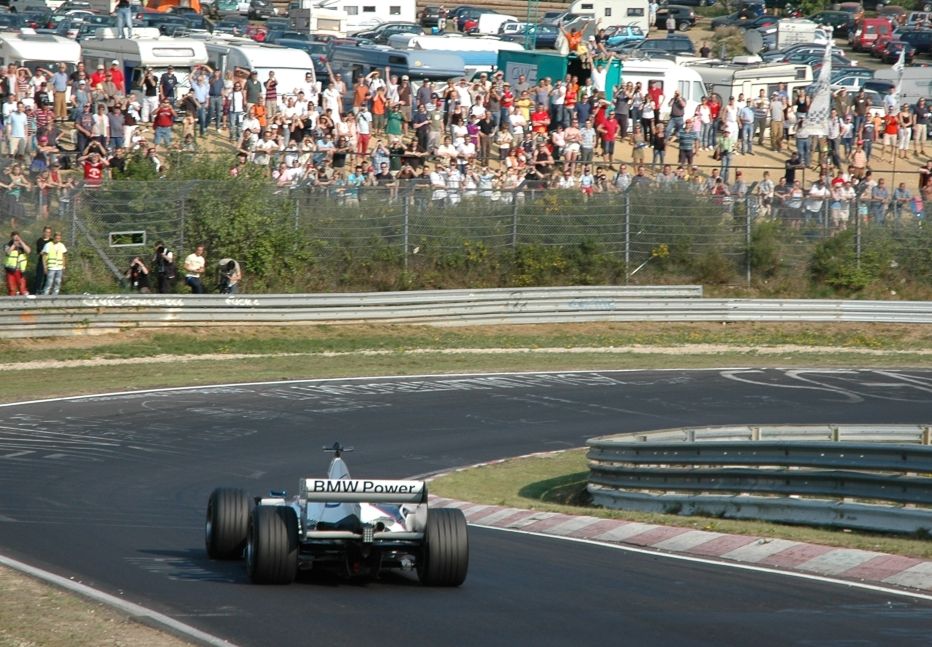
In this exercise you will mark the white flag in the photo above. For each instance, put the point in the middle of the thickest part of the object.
(815, 122)
(899, 66)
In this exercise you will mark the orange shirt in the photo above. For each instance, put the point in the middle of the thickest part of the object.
(360, 95)
(378, 104)
(573, 39)
(892, 125)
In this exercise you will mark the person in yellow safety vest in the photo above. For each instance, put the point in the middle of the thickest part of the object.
(15, 259)
(53, 257)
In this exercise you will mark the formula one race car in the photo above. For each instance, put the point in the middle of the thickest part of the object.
(359, 527)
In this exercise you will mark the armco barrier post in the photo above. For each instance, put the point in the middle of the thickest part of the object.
(514, 220)
(627, 199)
(747, 232)
(857, 232)
(405, 210)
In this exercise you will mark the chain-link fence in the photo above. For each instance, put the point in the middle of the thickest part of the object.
(645, 230)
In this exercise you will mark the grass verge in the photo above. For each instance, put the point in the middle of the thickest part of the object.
(557, 482)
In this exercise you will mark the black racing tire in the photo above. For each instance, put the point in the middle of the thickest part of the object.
(272, 545)
(445, 551)
(227, 523)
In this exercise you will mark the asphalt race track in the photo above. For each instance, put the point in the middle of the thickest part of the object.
(111, 491)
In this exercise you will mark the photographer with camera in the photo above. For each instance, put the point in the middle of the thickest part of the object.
(15, 259)
(230, 276)
(164, 264)
(138, 276)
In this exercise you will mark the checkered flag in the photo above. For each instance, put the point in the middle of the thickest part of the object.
(816, 121)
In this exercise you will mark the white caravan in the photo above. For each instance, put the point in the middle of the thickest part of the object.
(147, 48)
(916, 84)
(670, 76)
(366, 14)
(34, 50)
(747, 75)
(306, 16)
(242, 56)
(491, 23)
(615, 12)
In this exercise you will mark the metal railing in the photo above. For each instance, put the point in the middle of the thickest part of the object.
(853, 476)
(90, 314)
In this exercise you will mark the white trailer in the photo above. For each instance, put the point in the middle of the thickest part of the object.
(145, 49)
(306, 16)
(917, 82)
(366, 14)
(38, 50)
(794, 31)
(670, 76)
(747, 75)
(490, 23)
(242, 56)
(615, 12)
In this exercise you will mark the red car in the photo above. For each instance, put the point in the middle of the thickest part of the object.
(876, 48)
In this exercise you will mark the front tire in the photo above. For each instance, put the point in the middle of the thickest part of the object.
(227, 523)
(272, 545)
(445, 552)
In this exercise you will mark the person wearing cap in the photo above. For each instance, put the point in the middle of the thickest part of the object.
(116, 75)
(98, 76)
(726, 148)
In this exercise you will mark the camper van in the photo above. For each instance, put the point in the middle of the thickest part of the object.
(479, 54)
(147, 48)
(38, 50)
(243, 56)
(747, 75)
(671, 77)
(916, 83)
(366, 14)
(615, 12)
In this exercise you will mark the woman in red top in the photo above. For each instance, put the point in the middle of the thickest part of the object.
(540, 120)
(93, 165)
(891, 128)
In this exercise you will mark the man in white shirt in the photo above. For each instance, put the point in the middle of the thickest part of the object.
(463, 96)
(194, 269)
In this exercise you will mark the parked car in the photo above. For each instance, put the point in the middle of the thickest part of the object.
(620, 35)
(748, 12)
(676, 45)
(866, 32)
(545, 36)
(890, 53)
(429, 16)
(466, 13)
(855, 9)
(878, 45)
(841, 22)
(381, 33)
(799, 48)
(919, 39)
(684, 16)
(256, 9)
(691, 3)
(232, 24)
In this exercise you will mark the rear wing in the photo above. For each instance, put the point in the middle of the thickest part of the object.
(363, 491)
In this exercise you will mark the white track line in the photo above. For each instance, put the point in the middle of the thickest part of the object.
(129, 608)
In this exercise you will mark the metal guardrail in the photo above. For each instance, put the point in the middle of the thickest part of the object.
(89, 314)
(854, 476)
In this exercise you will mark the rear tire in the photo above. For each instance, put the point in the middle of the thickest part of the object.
(445, 552)
(272, 545)
(683, 26)
(227, 523)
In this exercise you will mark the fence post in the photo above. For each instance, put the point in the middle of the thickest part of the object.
(405, 211)
(514, 220)
(72, 204)
(857, 231)
(627, 205)
(748, 197)
(181, 236)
